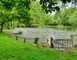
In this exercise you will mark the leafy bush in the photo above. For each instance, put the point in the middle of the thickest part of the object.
(20, 32)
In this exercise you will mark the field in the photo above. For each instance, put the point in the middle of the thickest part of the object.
(11, 49)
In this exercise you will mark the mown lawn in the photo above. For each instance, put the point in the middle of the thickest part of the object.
(11, 49)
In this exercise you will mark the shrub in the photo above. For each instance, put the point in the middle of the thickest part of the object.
(20, 32)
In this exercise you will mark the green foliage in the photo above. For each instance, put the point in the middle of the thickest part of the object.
(14, 10)
(67, 17)
(49, 5)
(73, 18)
(39, 17)
(48, 19)
(20, 32)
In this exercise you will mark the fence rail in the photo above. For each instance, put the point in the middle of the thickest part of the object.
(35, 40)
(63, 43)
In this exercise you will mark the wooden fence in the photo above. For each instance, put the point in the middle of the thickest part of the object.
(59, 43)
(63, 43)
(74, 35)
(35, 40)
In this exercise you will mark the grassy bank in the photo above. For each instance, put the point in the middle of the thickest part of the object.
(11, 49)
(60, 27)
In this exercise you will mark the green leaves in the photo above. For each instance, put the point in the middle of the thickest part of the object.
(50, 5)
(68, 17)
(7, 5)
(64, 1)
(37, 15)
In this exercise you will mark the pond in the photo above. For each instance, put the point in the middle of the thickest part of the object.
(44, 33)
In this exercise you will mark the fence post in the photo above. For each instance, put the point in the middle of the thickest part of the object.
(58, 45)
(67, 44)
(36, 41)
(16, 37)
(72, 39)
(62, 44)
(24, 40)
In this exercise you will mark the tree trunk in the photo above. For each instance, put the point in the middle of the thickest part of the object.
(1, 27)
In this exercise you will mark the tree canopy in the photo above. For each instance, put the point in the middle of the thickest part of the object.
(50, 5)
(13, 10)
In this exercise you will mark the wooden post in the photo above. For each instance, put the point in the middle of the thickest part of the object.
(72, 40)
(36, 41)
(51, 42)
(62, 44)
(16, 37)
(47, 44)
(24, 40)
(67, 44)
(58, 45)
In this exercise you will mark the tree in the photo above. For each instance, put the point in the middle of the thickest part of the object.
(48, 19)
(13, 10)
(68, 17)
(63, 16)
(5, 17)
(39, 17)
(73, 18)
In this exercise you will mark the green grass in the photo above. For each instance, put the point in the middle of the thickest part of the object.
(59, 27)
(11, 49)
